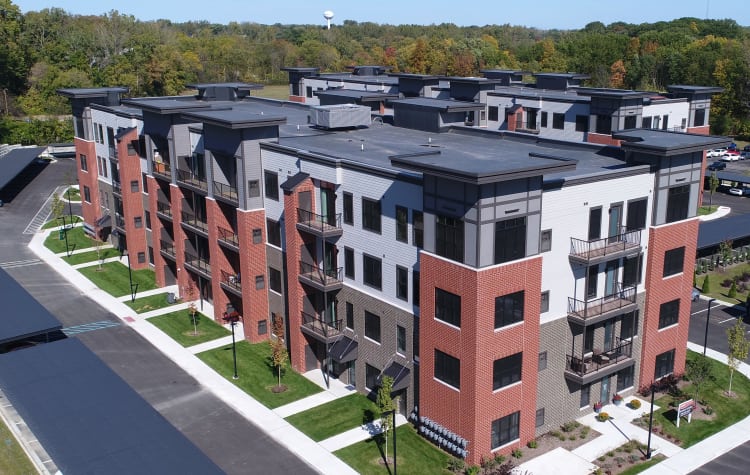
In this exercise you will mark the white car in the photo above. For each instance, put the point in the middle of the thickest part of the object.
(717, 152)
(729, 157)
(737, 191)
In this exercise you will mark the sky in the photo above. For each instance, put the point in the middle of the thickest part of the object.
(543, 14)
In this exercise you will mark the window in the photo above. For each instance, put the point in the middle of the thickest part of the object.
(630, 122)
(509, 309)
(531, 119)
(253, 188)
(544, 306)
(493, 113)
(402, 283)
(371, 376)
(449, 238)
(582, 123)
(558, 121)
(257, 236)
(506, 371)
(646, 123)
(595, 223)
(678, 199)
(415, 288)
(625, 378)
(683, 123)
(141, 258)
(669, 313)
(260, 282)
(400, 339)
(402, 224)
(629, 326)
(542, 363)
(309, 91)
(138, 220)
(505, 430)
(585, 395)
(540, 417)
(545, 240)
(349, 315)
(101, 134)
(665, 122)
(372, 269)
(134, 186)
(631, 270)
(150, 255)
(664, 364)
(448, 369)
(145, 183)
(131, 149)
(274, 279)
(592, 282)
(372, 326)
(273, 231)
(510, 239)
(417, 219)
(84, 162)
(674, 261)
(544, 119)
(348, 208)
(262, 327)
(371, 215)
(271, 181)
(147, 215)
(700, 118)
(636, 214)
(603, 124)
(448, 307)
(349, 262)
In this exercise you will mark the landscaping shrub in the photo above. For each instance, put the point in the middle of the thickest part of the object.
(726, 283)
(517, 453)
(635, 404)
(602, 417)
(706, 287)
(532, 444)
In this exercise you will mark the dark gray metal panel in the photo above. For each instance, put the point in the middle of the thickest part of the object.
(712, 233)
(15, 161)
(22, 315)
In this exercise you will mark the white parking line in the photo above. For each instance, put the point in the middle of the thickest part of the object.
(727, 320)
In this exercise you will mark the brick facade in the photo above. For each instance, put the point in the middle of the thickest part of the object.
(129, 165)
(91, 210)
(252, 264)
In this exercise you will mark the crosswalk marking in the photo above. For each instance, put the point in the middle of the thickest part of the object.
(87, 327)
(23, 263)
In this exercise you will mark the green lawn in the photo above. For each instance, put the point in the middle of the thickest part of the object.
(277, 91)
(718, 275)
(76, 240)
(415, 455)
(146, 304)
(179, 327)
(56, 223)
(335, 417)
(257, 376)
(113, 278)
(74, 195)
(643, 466)
(704, 210)
(91, 256)
(13, 459)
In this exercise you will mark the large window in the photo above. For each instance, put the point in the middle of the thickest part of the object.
(505, 430)
(492, 113)
(636, 214)
(585, 395)
(669, 313)
(348, 208)
(582, 123)
(402, 224)
(372, 326)
(448, 369)
(349, 262)
(349, 315)
(84, 163)
(510, 239)
(273, 230)
(678, 200)
(417, 219)
(664, 364)
(509, 309)
(700, 118)
(625, 378)
(630, 122)
(544, 119)
(449, 238)
(415, 288)
(372, 271)
(86, 194)
(506, 371)
(274, 279)
(631, 270)
(402, 283)
(371, 215)
(448, 307)
(371, 376)
(603, 124)
(629, 326)
(401, 339)
(595, 223)
(558, 121)
(271, 181)
(674, 261)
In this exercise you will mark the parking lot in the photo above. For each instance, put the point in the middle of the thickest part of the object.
(738, 204)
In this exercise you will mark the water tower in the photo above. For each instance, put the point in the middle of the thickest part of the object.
(328, 15)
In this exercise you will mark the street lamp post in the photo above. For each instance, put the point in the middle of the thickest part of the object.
(133, 286)
(392, 413)
(708, 315)
(650, 422)
(232, 317)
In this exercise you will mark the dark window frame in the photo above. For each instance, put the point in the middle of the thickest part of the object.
(349, 311)
(417, 228)
(372, 271)
(349, 266)
(510, 239)
(674, 261)
(402, 224)
(274, 280)
(507, 371)
(539, 418)
(371, 215)
(664, 364)
(273, 232)
(582, 123)
(505, 430)
(447, 369)
(400, 339)
(544, 302)
(371, 377)
(543, 360)
(348, 208)
(449, 238)
(447, 307)
(669, 313)
(678, 203)
(509, 309)
(271, 185)
(545, 240)
(372, 326)
(558, 121)
(402, 283)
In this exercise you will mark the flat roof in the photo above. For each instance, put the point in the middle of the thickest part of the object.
(88, 419)
(562, 75)
(15, 161)
(234, 85)
(84, 93)
(714, 232)
(23, 316)
(365, 96)
(356, 79)
(667, 142)
(695, 89)
(525, 92)
(168, 105)
(445, 105)
(609, 92)
(236, 118)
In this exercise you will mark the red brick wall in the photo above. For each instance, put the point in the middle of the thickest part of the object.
(661, 290)
(132, 202)
(603, 139)
(90, 211)
(470, 411)
(156, 231)
(511, 119)
(253, 263)
(219, 262)
(703, 130)
(297, 99)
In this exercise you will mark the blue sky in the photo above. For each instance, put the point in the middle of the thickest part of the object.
(544, 14)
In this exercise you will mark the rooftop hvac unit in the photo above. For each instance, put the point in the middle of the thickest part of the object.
(340, 116)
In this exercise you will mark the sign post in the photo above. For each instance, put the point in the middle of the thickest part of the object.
(685, 409)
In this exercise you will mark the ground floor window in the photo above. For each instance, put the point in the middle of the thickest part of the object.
(664, 364)
(625, 378)
(505, 429)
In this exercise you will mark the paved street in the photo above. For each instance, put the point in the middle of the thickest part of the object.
(233, 443)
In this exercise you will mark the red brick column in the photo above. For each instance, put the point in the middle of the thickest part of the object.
(132, 201)
(90, 211)
(219, 261)
(156, 231)
(603, 139)
(253, 263)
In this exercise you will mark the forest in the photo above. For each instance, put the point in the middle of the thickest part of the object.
(50, 49)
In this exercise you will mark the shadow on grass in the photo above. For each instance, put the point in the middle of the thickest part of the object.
(367, 416)
(380, 441)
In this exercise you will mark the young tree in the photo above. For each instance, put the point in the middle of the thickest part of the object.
(738, 348)
(194, 317)
(713, 184)
(279, 355)
(698, 371)
(706, 287)
(58, 209)
(385, 404)
(725, 251)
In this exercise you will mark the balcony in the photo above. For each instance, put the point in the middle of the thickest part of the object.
(589, 312)
(226, 192)
(164, 210)
(231, 282)
(319, 225)
(192, 181)
(117, 187)
(120, 222)
(323, 280)
(229, 239)
(198, 264)
(162, 169)
(195, 224)
(627, 243)
(167, 249)
(583, 369)
(327, 332)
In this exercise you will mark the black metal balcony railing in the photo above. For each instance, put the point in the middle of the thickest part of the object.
(232, 280)
(605, 247)
(587, 309)
(189, 178)
(164, 208)
(191, 220)
(119, 221)
(116, 187)
(226, 191)
(199, 263)
(167, 248)
(320, 224)
(162, 168)
(586, 364)
(321, 277)
(228, 236)
(320, 327)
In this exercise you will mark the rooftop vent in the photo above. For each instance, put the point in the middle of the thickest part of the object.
(340, 116)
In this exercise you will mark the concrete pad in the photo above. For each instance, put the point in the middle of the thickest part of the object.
(558, 461)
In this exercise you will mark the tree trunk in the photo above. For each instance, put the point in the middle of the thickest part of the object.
(731, 373)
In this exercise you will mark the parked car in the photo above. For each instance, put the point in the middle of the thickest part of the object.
(716, 152)
(747, 148)
(737, 191)
(732, 146)
(716, 166)
(695, 295)
(744, 155)
(729, 157)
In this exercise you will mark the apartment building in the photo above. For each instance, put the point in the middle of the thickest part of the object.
(505, 281)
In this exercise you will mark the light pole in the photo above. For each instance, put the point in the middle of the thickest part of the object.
(133, 287)
(708, 315)
(232, 317)
(392, 413)
(650, 422)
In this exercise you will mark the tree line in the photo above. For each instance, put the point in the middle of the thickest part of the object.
(49, 49)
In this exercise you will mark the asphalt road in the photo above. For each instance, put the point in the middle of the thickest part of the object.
(233, 443)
